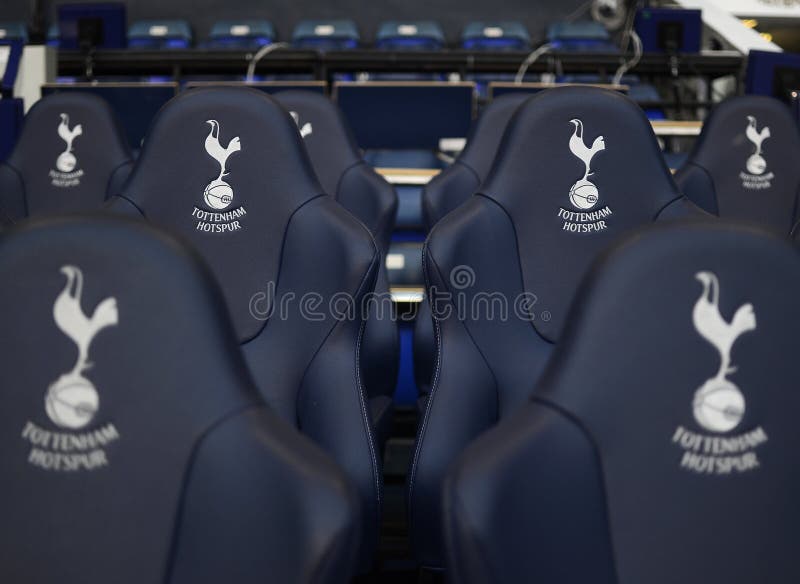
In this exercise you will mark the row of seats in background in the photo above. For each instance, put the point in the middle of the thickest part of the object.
(312, 34)
(560, 176)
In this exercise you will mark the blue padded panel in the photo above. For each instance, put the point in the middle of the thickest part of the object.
(196, 477)
(71, 155)
(652, 448)
(743, 166)
(277, 242)
(506, 264)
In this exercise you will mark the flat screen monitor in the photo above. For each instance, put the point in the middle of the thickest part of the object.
(406, 115)
(86, 26)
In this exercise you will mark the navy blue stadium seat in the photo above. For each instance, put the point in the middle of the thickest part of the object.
(345, 175)
(421, 35)
(71, 156)
(160, 34)
(152, 458)
(330, 35)
(657, 445)
(496, 36)
(226, 169)
(577, 168)
(241, 34)
(586, 35)
(744, 165)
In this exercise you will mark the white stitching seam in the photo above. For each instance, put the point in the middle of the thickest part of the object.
(429, 403)
(365, 415)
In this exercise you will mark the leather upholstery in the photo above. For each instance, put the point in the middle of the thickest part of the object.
(502, 269)
(177, 472)
(71, 156)
(293, 265)
(446, 191)
(616, 471)
(345, 175)
(744, 164)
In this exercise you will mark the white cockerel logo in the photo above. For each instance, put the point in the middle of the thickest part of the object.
(756, 163)
(584, 194)
(72, 401)
(718, 404)
(66, 161)
(218, 193)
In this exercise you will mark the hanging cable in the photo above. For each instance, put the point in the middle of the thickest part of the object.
(260, 54)
(530, 60)
(630, 64)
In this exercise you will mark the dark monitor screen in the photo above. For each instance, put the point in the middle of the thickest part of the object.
(84, 26)
(135, 104)
(406, 115)
(265, 86)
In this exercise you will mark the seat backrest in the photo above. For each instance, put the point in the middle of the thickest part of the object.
(226, 169)
(131, 426)
(500, 35)
(577, 168)
(241, 34)
(744, 164)
(71, 155)
(457, 182)
(338, 163)
(660, 441)
(410, 35)
(160, 34)
(326, 34)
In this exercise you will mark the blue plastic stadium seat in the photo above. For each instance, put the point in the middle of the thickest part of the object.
(577, 168)
(226, 169)
(160, 34)
(241, 34)
(580, 36)
(326, 35)
(746, 164)
(13, 31)
(137, 426)
(71, 156)
(493, 36)
(423, 35)
(662, 436)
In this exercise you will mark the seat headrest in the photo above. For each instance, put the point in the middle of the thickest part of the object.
(679, 364)
(485, 136)
(750, 146)
(325, 133)
(226, 168)
(70, 147)
(576, 167)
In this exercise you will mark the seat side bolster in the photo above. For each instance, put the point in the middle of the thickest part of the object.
(525, 501)
(12, 196)
(696, 184)
(462, 403)
(249, 473)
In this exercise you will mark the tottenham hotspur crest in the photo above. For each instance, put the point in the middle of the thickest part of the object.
(218, 194)
(756, 163)
(583, 194)
(719, 405)
(72, 400)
